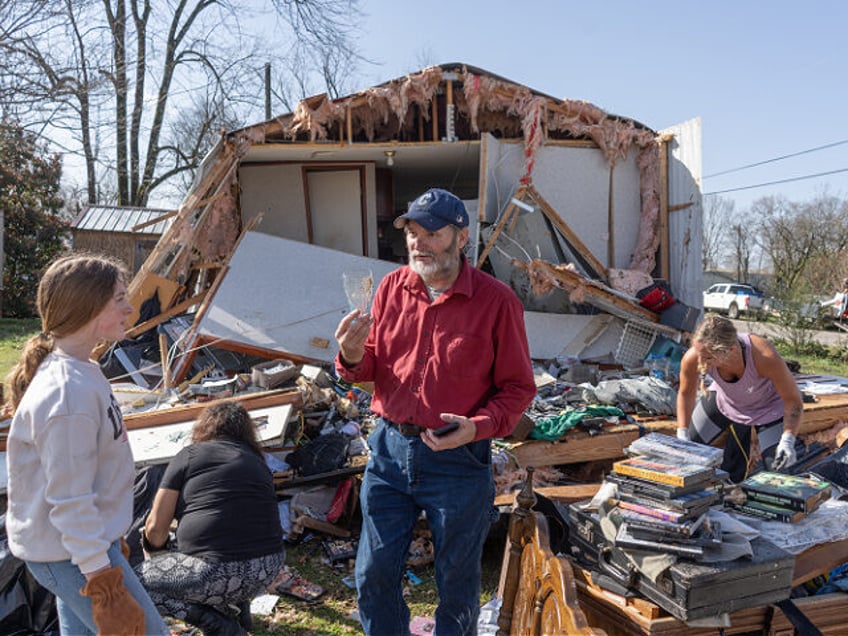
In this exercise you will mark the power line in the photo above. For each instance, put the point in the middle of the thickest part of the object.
(760, 163)
(768, 183)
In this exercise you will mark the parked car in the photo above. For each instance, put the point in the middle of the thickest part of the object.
(733, 299)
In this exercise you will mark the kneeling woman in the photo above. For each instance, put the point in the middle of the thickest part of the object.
(229, 537)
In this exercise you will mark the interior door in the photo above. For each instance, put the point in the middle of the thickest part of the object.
(335, 208)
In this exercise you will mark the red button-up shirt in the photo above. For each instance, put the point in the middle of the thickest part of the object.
(465, 352)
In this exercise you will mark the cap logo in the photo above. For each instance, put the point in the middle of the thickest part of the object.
(425, 199)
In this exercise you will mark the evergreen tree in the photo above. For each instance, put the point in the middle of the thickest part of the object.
(34, 232)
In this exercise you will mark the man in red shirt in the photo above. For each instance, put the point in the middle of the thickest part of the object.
(444, 343)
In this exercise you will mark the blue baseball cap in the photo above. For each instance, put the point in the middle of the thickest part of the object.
(435, 209)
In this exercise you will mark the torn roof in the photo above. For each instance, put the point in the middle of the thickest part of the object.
(405, 109)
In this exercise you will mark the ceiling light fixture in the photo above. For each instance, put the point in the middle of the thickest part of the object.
(390, 157)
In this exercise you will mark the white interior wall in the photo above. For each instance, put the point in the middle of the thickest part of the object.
(276, 191)
(503, 164)
(575, 182)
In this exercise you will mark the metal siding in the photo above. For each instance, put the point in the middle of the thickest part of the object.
(685, 225)
(106, 218)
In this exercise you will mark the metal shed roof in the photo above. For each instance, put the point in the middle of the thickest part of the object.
(113, 218)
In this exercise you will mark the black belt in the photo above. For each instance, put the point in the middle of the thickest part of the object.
(407, 430)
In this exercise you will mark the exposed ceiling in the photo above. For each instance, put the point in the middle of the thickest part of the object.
(437, 162)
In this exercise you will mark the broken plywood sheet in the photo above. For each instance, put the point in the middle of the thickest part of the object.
(552, 335)
(284, 295)
(158, 444)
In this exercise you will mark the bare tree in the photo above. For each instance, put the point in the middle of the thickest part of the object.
(718, 213)
(800, 239)
(741, 244)
(119, 76)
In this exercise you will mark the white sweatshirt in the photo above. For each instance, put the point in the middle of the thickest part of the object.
(70, 467)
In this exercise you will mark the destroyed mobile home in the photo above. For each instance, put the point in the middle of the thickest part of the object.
(593, 219)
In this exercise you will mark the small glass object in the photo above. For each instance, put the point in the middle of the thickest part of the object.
(358, 287)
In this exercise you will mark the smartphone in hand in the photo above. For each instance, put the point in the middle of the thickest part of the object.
(447, 428)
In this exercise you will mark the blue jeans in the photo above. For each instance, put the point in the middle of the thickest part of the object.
(65, 580)
(456, 491)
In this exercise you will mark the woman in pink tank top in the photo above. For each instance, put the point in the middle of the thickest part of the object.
(751, 388)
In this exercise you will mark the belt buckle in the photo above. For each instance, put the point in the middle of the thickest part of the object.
(409, 430)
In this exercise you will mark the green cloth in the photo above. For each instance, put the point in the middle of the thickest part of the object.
(552, 428)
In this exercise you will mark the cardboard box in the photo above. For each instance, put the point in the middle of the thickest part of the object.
(271, 374)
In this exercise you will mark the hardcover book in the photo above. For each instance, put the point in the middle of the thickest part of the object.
(673, 450)
(787, 491)
(655, 489)
(638, 520)
(683, 503)
(767, 511)
(667, 515)
(673, 474)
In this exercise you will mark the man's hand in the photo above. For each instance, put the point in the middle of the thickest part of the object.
(351, 334)
(465, 433)
(683, 433)
(785, 456)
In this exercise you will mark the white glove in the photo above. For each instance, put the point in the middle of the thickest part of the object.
(785, 455)
(683, 433)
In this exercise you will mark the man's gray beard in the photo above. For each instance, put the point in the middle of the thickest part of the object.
(433, 271)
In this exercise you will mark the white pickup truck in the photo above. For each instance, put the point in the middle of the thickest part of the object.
(733, 299)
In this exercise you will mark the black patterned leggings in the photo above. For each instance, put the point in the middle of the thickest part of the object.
(175, 581)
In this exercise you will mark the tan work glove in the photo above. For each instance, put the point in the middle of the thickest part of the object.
(115, 611)
(125, 549)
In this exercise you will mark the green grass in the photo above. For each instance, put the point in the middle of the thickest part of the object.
(331, 615)
(14, 332)
(816, 358)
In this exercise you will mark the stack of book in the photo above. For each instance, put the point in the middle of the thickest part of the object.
(665, 489)
(780, 497)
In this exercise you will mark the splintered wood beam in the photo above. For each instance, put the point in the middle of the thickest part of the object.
(679, 206)
(579, 446)
(163, 360)
(665, 269)
(593, 292)
(164, 217)
(611, 219)
(435, 116)
(184, 413)
(585, 253)
(819, 559)
(349, 124)
(511, 209)
(821, 415)
(562, 494)
(165, 315)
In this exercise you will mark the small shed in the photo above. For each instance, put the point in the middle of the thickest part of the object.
(126, 233)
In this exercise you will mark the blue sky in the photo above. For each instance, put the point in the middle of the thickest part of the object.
(768, 79)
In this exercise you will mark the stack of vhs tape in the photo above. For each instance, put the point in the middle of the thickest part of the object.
(665, 489)
(780, 497)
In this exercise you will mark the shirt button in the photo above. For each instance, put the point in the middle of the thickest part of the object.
(415, 389)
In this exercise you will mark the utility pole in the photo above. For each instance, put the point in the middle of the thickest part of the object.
(267, 91)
